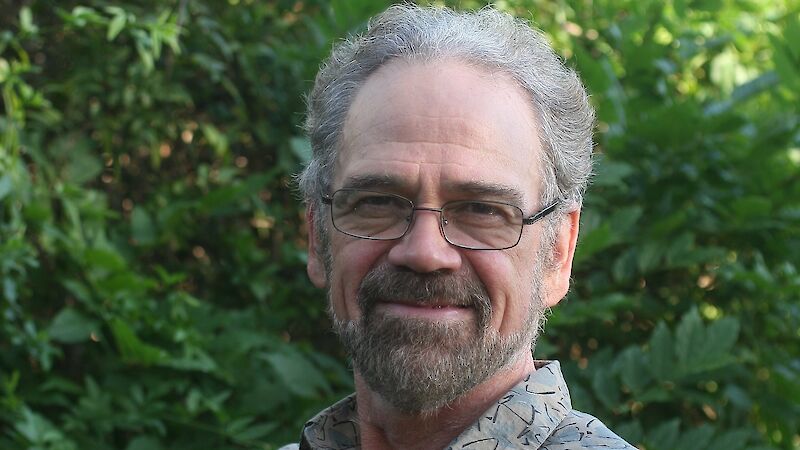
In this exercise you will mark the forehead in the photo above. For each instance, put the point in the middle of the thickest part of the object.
(430, 126)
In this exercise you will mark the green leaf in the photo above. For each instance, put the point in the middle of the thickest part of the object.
(142, 41)
(80, 165)
(26, 20)
(593, 241)
(649, 254)
(784, 63)
(696, 438)
(751, 206)
(739, 397)
(5, 186)
(700, 348)
(720, 338)
(662, 356)
(791, 33)
(689, 337)
(104, 258)
(41, 432)
(142, 229)
(630, 431)
(606, 388)
(624, 267)
(255, 432)
(633, 370)
(5, 70)
(655, 394)
(223, 200)
(593, 71)
(144, 443)
(625, 219)
(731, 440)
(78, 289)
(679, 248)
(83, 14)
(722, 335)
(215, 138)
(611, 173)
(603, 308)
(665, 435)
(131, 348)
(662, 227)
(70, 327)
(116, 25)
(193, 359)
(297, 374)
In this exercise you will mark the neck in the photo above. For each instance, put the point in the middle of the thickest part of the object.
(383, 427)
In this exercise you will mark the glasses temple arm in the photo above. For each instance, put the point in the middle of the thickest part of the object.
(541, 214)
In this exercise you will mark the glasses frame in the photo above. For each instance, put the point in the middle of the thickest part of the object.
(530, 220)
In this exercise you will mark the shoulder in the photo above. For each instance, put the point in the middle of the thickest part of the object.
(583, 431)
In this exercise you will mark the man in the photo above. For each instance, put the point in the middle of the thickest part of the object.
(451, 153)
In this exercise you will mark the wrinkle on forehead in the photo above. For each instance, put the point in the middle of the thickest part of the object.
(413, 150)
(465, 161)
(413, 127)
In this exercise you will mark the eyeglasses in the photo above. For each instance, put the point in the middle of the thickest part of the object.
(469, 224)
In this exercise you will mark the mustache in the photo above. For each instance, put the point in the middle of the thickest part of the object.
(386, 284)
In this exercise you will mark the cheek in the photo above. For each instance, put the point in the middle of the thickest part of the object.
(509, 284)
(352, 260)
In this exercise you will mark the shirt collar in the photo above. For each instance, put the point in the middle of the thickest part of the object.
(527, 414)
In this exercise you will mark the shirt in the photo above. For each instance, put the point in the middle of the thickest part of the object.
(535, 414)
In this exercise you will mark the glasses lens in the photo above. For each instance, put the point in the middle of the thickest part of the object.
(482, 225)
(371, 215)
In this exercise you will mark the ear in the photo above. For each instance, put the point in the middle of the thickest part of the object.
(315, 266)
(560, 270)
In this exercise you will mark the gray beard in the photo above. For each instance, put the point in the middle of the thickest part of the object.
(419, 365)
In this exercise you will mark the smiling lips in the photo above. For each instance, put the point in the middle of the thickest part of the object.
(422, 310)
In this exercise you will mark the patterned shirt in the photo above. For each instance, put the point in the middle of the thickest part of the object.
(534, 414)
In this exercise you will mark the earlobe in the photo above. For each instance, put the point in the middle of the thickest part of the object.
(563, 254)
(315, 266)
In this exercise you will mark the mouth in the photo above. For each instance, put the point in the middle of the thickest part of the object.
(432, 311)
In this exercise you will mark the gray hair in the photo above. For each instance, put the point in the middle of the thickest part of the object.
(485, 38)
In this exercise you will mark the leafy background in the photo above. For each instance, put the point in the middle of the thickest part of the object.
(152, 283)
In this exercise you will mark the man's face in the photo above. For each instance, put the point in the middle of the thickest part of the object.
(433, 133)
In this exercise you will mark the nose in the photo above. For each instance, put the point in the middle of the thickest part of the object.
(424, 249)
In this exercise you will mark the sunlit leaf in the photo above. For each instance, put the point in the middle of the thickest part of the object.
(115, 26)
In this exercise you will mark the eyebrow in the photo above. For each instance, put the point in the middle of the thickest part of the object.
(473, 189)
(484, 189)
(373, 181)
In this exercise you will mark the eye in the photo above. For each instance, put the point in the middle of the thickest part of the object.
(375, 205)
(375, 200)
(481, 208)
(480, 214)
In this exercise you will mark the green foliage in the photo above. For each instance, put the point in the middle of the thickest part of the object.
(152, 280)
(683, 321)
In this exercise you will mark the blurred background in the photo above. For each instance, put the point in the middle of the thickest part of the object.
(152, 249)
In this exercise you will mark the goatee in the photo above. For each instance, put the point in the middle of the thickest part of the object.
(419, 365)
